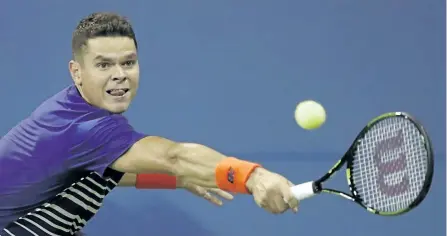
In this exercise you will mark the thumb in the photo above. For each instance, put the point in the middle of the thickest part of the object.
(288, 196)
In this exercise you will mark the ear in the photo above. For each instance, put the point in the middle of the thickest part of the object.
(75, 71)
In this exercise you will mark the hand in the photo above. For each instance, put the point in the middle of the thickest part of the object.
(210, 194)
(271, 191)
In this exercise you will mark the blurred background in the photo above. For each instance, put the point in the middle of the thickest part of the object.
(229, 74)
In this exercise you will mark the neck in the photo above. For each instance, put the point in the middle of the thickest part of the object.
(79, 88)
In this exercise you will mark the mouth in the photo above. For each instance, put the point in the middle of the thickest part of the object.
(117, 92)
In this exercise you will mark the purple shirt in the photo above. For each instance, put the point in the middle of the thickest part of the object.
(63, 139)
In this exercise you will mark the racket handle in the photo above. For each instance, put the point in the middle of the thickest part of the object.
(304, 190)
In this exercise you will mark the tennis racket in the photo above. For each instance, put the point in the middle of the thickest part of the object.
(389, 167)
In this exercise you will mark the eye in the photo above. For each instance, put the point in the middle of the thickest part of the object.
(129, 63)
(103, 65)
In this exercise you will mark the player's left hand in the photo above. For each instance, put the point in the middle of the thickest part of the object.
(210, 194)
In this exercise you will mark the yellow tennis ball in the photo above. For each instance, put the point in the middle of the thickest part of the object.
(310, 114)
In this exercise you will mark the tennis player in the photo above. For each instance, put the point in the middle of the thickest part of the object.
(58, 164)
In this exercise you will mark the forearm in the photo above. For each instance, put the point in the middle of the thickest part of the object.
(163, 156)
(182, 160)
(193, 163)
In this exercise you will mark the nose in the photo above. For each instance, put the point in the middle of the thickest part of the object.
(119, 75)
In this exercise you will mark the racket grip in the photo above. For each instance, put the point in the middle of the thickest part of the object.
(304, 190)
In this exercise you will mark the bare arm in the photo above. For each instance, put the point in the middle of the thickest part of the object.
(194, 163)
(128, 180)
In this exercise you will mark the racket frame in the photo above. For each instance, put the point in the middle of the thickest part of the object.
(348, 160)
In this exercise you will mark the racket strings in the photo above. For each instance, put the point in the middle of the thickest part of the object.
(390, 164)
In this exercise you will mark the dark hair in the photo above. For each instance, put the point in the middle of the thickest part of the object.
(100, 24)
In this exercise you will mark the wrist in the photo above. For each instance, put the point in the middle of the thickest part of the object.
(253, 179)
(232, 175)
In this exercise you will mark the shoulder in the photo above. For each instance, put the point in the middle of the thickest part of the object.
(93, 123)
(66, 115)
(66, 105)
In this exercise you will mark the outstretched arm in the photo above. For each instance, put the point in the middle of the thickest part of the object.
(200, 165)
(194, 163)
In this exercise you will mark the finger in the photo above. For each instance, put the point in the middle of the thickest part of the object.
(258, 197)
(196, 190)
(288, 197)
(216, 201)
(221, 193)
(280, 206)
(202, 192)
(296, 202)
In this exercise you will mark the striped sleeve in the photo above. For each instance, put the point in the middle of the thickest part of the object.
(69, 211)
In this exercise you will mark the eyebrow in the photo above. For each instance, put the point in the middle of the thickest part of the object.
(104, 58)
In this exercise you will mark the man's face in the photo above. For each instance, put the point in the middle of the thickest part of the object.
(108, 75)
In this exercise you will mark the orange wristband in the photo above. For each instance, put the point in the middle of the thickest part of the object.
(232, 173)
(156, 181)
